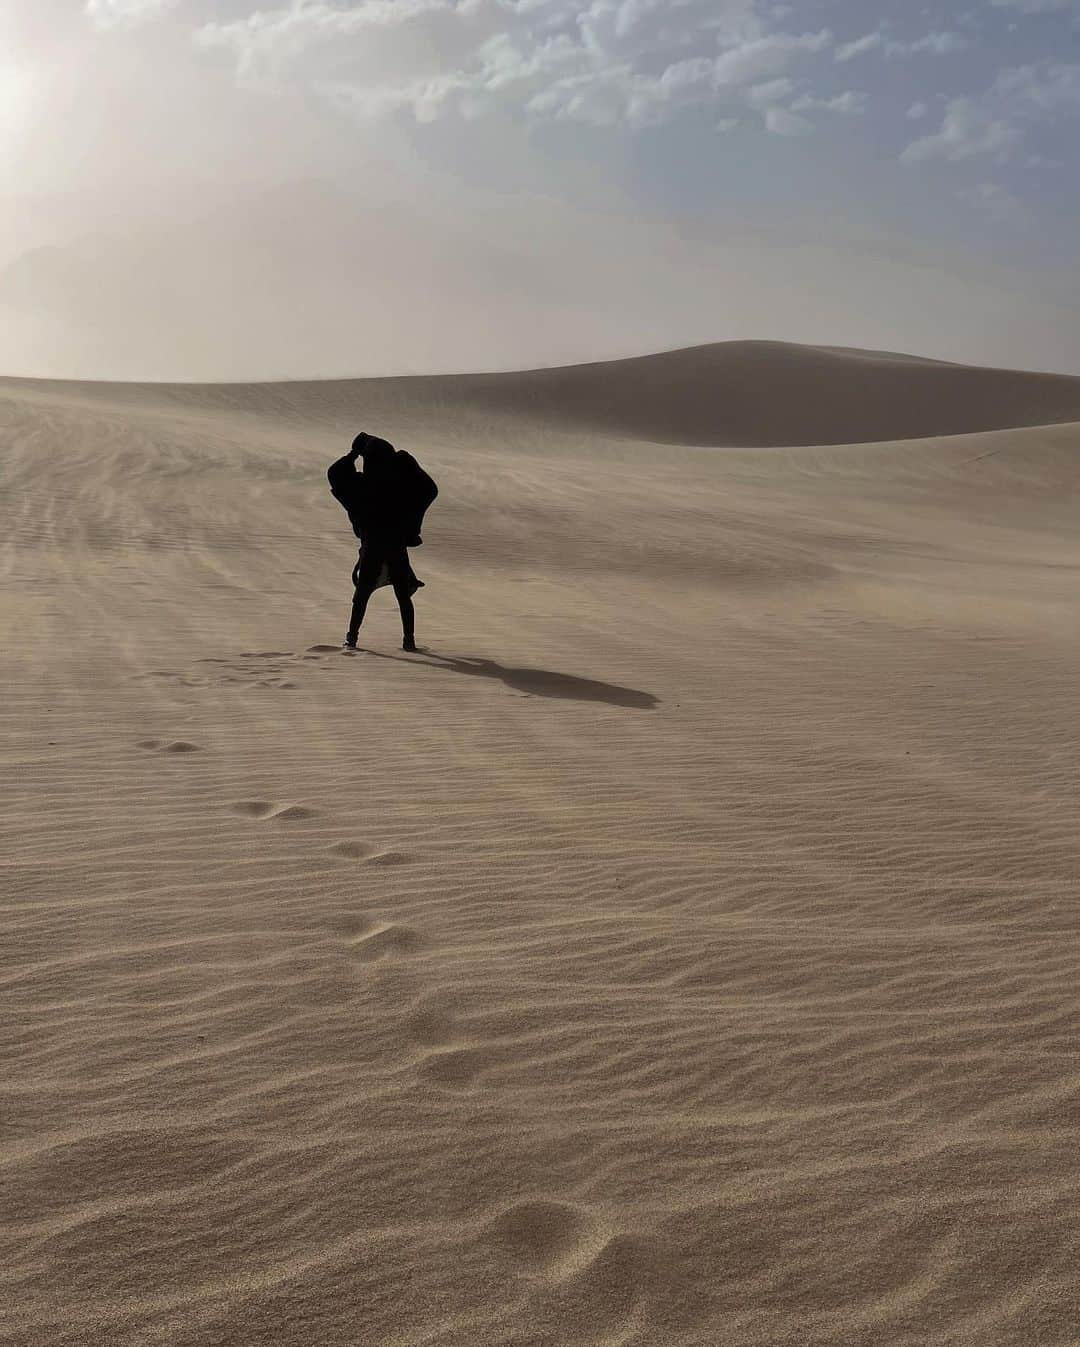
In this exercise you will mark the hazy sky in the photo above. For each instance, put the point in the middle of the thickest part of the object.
(257, 188)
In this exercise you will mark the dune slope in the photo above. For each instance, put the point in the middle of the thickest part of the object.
(749, 394)
(683, 951)
(772, 393)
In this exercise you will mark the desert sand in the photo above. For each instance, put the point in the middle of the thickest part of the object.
(686, 950)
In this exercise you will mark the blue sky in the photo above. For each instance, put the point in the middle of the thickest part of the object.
(787, 153)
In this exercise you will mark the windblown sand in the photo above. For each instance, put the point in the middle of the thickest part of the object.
(685, 951)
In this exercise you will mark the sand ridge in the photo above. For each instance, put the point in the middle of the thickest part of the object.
(736, 393)
(681, 950)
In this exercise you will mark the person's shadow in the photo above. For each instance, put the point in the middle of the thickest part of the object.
(537, 682)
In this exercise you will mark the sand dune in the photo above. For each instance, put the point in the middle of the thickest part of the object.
(770, 393)
(684, 951)
(733, 394)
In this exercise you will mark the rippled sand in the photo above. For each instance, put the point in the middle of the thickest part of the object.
(685, 950)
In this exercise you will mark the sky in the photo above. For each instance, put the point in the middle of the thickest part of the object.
(234, 189)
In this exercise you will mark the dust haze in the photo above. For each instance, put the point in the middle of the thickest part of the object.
(163, 222)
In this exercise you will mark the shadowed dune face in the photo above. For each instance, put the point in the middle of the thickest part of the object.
(682, 950)
(769, 394)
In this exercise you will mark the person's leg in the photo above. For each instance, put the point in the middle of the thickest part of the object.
(415, 582)
(404, 582)
(408, 618)
(366, 577)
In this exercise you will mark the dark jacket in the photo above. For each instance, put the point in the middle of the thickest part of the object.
(385, 505)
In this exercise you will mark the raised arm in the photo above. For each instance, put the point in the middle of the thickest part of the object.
(347, 487)
(342, 477)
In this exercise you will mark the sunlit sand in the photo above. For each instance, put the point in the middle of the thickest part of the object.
(682, 949)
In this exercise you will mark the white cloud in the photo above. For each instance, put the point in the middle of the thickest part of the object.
(1020, 100)
(780, 122)
(937, 44)
(848, 51)
(917, 111)
(772, 91)
(765, 56)
(941, 43)
(1050, 88)
(850, 104)
(366, 40)
(783, 116)
(968, 131)
(602, 62)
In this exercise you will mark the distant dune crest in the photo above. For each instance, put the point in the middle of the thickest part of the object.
(745, 394)
(758, 393)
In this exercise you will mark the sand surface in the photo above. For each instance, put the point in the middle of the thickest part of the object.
(685, 951)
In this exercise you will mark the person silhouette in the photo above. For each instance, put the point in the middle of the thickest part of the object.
(385, 503)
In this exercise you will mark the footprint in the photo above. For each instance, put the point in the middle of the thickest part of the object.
(460, 1066)
(542, 1236)
(432, 1026)
(353, 851)
(615, 1281)
(368, 851)
(630, 1259)
(323, 649)
(391, 939)
(353, 924)
(253, 808)
(291, 813)
(390, 858)
(629, 1272)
